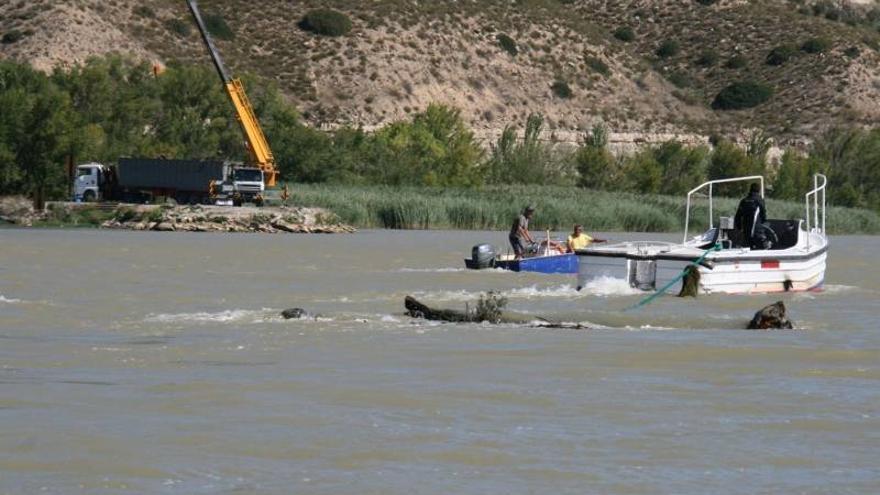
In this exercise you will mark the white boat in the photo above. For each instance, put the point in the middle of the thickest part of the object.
(794, 262)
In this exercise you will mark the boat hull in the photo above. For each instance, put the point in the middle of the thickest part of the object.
(759, 274)
(555, 264)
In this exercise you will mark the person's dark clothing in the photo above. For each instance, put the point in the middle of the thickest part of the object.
(751, 209)
(517, 242)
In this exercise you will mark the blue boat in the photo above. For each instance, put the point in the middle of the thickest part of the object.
(554, 263)
(484, 257)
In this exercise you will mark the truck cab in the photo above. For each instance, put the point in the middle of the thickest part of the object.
(89, 180)
(248, 184)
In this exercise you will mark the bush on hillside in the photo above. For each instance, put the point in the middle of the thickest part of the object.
(12, 36)
(597, 65)
(625, 34)
(736, 62)
(561, 89)
(144, 11)
(852, 52)
(507, 44)
(326, 22)
(781, 54)
(178, 27)
(668, 48)
(816, 45)
(707, 58)
(217, 26)
(740, 95)
(680, 79)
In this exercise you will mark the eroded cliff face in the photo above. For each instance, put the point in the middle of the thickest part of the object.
(567, 63)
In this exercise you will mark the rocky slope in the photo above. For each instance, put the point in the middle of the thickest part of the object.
(401, 55)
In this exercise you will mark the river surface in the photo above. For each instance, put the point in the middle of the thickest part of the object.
(139, 362)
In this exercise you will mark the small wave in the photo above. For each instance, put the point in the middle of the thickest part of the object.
(838, 288)
(535, 291)
(604, 286)
(447, 295)
(431, 270)
(9, 300)
(610, 286)
(228, 316)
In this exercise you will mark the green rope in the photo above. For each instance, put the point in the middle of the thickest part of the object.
(649, 299)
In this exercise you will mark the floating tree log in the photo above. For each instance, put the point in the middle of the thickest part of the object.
(485, 311)
(769, 317)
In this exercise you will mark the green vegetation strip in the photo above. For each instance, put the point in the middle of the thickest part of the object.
(558, 208)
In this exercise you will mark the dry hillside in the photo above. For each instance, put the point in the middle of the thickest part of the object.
(401, 55)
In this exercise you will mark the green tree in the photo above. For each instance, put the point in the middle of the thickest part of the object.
(595, 164)
(795, 175)
(728, 160)
(36, 128)
(853, 163)
(683, 167)
(528, 161)
(643, 173)
(435, 149)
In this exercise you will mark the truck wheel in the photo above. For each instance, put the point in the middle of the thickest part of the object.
(258, 201)
(89, 197)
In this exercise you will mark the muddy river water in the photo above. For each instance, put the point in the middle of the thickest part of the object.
(135, 362)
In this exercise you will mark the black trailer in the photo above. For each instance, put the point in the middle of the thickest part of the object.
(186, 181)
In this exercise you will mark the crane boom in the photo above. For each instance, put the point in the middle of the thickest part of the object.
(257, 145)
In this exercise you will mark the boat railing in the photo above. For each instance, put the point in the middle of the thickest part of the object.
(813, 204)
(641, 247)
(710, 184)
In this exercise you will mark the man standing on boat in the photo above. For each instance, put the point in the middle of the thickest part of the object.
(519, 232)
(750, 214)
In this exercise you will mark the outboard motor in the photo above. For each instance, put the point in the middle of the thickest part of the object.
(483, 256)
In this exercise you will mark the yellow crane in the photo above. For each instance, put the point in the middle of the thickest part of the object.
(258, 147)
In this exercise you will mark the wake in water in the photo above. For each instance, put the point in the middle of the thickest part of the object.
(431, 270)
(9, 300)
(603, 286)
(227, 316)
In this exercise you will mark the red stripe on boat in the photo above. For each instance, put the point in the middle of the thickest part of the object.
(770, 264)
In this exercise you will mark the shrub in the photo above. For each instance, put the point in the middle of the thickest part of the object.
(561, 89)
(781, 54)
(680, 79)
(625, 34)
(668, 48)
(597, 65)
(707, 58)
(178, 27)
(816, 45)
(507, 44)
(736, 62)
(144, 11)
(12, 36)
(326, 22)
(217, 26)
(740, 95)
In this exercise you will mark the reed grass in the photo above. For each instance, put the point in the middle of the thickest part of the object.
(558, 208)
